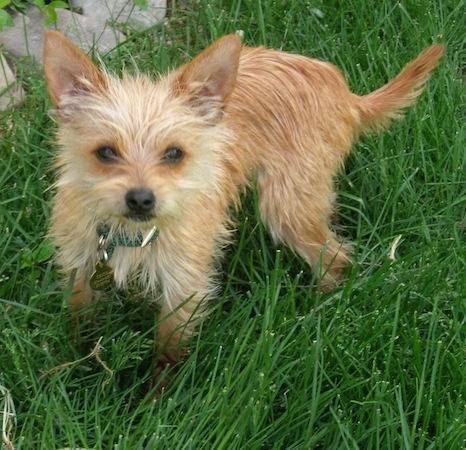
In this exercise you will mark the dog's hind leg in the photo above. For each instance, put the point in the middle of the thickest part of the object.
(300, 218)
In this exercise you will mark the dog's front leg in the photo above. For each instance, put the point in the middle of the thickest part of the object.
(174, 330)
(176, 326)
(82, 294)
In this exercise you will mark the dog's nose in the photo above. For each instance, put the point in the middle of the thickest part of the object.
(140, 201)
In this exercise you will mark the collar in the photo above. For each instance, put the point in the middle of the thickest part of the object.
(110, 239)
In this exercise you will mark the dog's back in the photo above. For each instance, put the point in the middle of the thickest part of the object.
(295, 120)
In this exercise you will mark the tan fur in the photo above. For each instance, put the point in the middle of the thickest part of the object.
(233, 110)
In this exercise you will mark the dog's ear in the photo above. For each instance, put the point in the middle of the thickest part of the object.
(68, 70)
(210, 77)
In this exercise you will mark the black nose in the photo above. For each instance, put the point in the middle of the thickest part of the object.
(140, 201)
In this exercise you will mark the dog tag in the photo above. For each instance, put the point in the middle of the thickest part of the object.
(102, 277)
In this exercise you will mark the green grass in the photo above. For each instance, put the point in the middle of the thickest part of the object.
(377, 364)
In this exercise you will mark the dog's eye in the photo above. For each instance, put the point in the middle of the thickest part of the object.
(173, 155)
(106, 154)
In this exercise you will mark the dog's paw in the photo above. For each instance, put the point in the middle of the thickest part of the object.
(163, 373)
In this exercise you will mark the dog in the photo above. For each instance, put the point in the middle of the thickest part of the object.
(148, 171)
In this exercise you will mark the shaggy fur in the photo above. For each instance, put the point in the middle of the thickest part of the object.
(134, 154)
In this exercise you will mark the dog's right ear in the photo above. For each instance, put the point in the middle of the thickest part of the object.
(68, 70)
(209, 79)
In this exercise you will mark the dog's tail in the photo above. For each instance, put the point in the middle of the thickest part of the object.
(378, 108)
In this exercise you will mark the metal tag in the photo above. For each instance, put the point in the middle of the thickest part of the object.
(102, 277)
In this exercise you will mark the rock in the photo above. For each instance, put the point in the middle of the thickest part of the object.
(87, 31)
(94, 28)
(124, 12)
(25, 37)
(10, 92)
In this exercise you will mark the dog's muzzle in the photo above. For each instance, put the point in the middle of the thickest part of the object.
(141, 204)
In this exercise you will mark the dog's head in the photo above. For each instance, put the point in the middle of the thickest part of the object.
(139, 152)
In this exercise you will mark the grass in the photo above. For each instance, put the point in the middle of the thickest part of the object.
(377, 364)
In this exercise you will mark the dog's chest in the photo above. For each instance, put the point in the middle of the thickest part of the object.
(135, 268)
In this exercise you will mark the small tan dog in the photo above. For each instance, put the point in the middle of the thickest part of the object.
(148, 170)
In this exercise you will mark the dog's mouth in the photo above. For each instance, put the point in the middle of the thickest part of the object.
(140, 217)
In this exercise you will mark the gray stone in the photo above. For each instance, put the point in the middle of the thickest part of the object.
(26, 36)
(94, 28)
(10, 92)
(124, 12)
(87, 31)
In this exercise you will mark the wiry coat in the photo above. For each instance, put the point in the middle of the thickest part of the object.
(231, 111)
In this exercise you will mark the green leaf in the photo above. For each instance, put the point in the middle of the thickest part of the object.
(58, 4)
(141, 4)
(43, 252)
(51, 15)
(5, 19)
(4, 3)
(39, 3)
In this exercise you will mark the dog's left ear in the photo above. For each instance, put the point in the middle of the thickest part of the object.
(210, 77)
(68, 71)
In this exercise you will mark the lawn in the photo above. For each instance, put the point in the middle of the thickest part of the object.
(379, 363)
